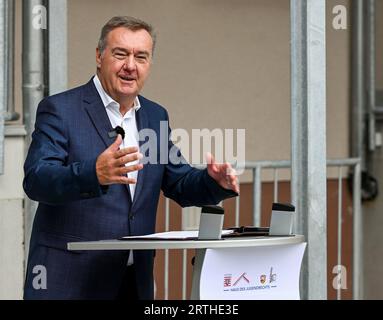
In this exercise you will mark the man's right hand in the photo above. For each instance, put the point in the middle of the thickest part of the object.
(110, 165)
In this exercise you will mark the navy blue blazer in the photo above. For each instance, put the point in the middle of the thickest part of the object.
(71, 130)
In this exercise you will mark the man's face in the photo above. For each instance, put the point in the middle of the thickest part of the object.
(125, 63)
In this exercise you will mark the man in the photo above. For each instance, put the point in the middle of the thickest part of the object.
(90, 184)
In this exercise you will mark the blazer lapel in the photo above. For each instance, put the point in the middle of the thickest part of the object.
(142, 123)
(97, 113)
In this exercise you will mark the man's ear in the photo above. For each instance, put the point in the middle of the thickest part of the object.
(98, 58)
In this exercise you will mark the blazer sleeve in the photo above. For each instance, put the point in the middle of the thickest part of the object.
(190, 186)
(48, 178)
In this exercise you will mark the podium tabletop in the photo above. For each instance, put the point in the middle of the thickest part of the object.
(185, 244)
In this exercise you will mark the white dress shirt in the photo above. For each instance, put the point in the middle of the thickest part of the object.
(128, 123)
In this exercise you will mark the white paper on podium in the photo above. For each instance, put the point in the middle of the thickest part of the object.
(255, 273)
(173, 235)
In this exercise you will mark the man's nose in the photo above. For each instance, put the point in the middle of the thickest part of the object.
(130, 63)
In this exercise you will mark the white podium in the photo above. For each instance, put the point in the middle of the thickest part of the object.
(230, 268)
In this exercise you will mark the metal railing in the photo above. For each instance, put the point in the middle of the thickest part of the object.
(257, 168)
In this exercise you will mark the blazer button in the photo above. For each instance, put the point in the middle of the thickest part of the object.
(131, 216)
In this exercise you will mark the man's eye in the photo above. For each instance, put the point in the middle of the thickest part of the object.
(120, 55)
(142, 58)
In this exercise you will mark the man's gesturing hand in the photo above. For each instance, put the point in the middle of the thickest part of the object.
(110, 165)
(223, 174)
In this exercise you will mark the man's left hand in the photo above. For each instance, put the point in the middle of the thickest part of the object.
(222, 173)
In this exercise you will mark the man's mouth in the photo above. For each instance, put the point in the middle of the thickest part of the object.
(127, 78)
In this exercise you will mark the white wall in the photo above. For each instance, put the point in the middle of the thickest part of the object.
(11, 217)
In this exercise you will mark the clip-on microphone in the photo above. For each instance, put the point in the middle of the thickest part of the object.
(117, 130)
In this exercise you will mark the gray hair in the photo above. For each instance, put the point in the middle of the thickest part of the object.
(127, 22)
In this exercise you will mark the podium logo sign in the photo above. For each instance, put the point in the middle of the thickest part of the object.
(273, 276)
(242, 276)
(264, 272)
(240, 281)
(227, 280)
(262, 278)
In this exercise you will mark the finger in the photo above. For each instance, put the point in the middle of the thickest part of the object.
(230, 171)
(230, 180)
(233, 184)
(209, 158)
(230, 177)
(222, 170)
(126, 169)
(211, 164)
(123, 152)
(129, 158)
(124, 180)
(116, 144)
